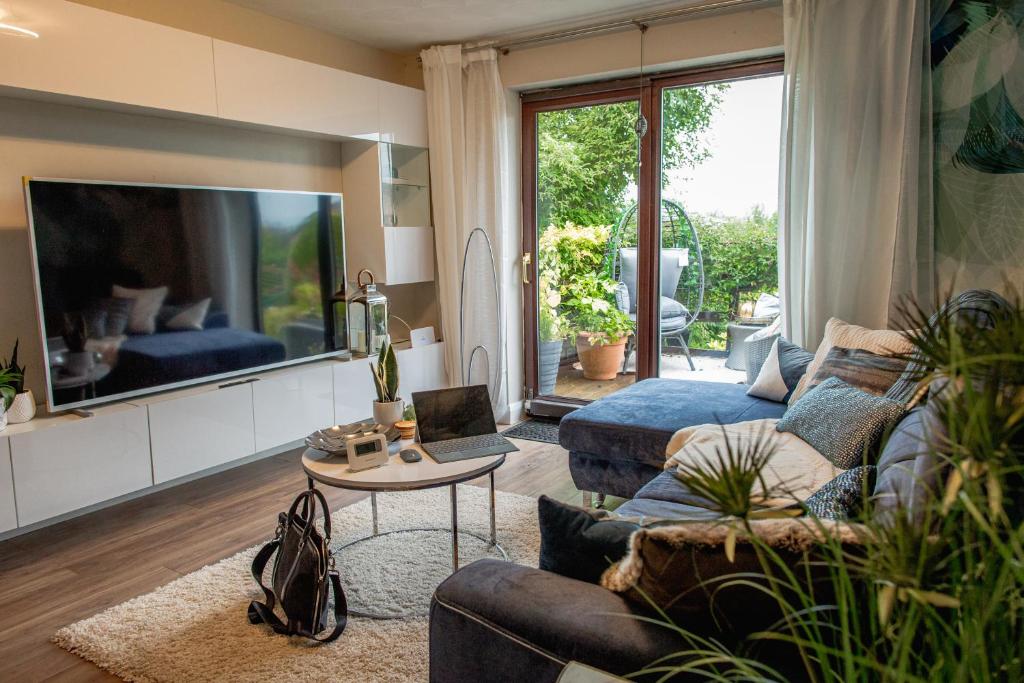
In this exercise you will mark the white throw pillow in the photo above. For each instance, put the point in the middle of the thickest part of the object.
(190, 317)
(781, 372)
(847, 336)
(142, 319)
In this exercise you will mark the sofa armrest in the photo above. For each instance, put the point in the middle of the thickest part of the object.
(494, 621)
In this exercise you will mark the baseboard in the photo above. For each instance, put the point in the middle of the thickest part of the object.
(149, 489)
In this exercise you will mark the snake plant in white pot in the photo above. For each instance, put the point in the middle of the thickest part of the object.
(389, 407)
(8, 382)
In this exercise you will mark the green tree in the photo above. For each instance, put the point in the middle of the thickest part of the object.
(587, 156)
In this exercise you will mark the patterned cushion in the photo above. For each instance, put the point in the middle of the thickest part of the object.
(839, 333)
(843, 497)
(841, 422)
(781, 372)
(870, 372)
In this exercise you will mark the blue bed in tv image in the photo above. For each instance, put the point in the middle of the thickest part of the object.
(147, 287)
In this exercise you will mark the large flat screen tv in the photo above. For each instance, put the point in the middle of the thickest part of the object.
(146, 287)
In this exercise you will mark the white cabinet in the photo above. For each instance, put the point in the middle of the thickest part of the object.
(403, 115)
(194, 431)
(419, 369)
(89, 53)
(8, 511)
(387, 212)
(353, 391)
(265, 88)
(290, 404)
(65, 463)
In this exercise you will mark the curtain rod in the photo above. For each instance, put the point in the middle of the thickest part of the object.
(505, 46)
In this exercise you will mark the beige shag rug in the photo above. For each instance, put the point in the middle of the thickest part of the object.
(195, 628)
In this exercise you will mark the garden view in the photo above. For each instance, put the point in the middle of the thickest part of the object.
(719, 182)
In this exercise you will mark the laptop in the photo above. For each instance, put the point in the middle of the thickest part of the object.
(457, 424)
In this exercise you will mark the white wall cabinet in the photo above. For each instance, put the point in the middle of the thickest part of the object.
(8, 511)
(419, 369)
(387, 212)
(196, 431)
(64, 463)
(403, 115)
(261, 87)
(89, 53)
(288, 405)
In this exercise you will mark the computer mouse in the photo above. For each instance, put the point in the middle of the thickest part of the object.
(410, 455)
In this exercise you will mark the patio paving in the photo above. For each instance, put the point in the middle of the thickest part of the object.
(710, 368)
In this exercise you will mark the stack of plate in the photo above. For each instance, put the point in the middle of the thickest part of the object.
(332, 440)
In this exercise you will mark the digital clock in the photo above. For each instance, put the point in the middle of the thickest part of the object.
(366, 451)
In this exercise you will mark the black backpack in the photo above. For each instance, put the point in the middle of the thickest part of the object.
(303, 574)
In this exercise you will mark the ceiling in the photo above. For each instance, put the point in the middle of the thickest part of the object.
(403, 25)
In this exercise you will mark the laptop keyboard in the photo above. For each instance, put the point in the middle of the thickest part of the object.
(465, 443)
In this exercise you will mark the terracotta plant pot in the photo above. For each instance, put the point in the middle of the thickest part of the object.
(600, 361)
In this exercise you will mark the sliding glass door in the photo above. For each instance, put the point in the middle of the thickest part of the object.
(616, 272)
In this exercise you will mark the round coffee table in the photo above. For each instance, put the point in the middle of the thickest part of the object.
(399, 475)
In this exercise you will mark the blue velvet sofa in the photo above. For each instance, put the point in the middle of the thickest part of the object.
(617, 444)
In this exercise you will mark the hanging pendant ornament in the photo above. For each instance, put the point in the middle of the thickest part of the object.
(641, 121)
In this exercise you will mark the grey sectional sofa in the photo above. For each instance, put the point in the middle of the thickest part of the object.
(617, 444)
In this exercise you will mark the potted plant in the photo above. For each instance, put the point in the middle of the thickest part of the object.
(600, 328)
(551, 336)
(388, 408)
(8, 382)
(22, 407)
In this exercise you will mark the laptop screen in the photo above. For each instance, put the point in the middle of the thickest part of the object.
(453, 413)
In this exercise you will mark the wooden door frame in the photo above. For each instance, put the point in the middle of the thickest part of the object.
(648, 91)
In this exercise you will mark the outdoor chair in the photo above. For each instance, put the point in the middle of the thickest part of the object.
(675, 317)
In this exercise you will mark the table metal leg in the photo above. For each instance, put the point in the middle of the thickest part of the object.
(455, 529)
(494, 531)
(373, 511)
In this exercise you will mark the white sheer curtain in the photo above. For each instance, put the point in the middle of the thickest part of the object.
(852, 238)
(471, 162)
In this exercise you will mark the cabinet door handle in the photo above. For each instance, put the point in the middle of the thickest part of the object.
(527, 260)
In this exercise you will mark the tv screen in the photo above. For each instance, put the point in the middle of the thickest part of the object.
(148, 287)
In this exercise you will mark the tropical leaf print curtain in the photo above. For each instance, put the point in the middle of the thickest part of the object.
(977, 60)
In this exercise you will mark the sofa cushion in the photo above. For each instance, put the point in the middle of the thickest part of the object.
(872, 373)
(839, 333)
(841, 422)
(781, 372)
(637, 422)
(579, 543)
(910, 465)
(843, 497)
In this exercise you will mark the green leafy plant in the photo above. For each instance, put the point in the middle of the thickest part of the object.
(930, 593)
(590, 307)
(13, 367)
(385, 374)
(8, 382)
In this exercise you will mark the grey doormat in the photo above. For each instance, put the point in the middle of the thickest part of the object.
(534, 429)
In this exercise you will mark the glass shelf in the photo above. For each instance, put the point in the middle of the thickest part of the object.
(405, 186)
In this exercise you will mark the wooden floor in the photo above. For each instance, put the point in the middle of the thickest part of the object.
(56, 576)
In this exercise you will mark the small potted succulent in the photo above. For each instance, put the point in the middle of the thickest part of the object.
(601, 329)
(389, 407)
(22, 407)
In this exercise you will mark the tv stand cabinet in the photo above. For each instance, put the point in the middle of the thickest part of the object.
(61, 466)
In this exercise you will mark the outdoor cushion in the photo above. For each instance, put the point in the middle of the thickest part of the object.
(636, 423)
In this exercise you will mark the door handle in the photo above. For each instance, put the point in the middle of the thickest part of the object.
(527, 260)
